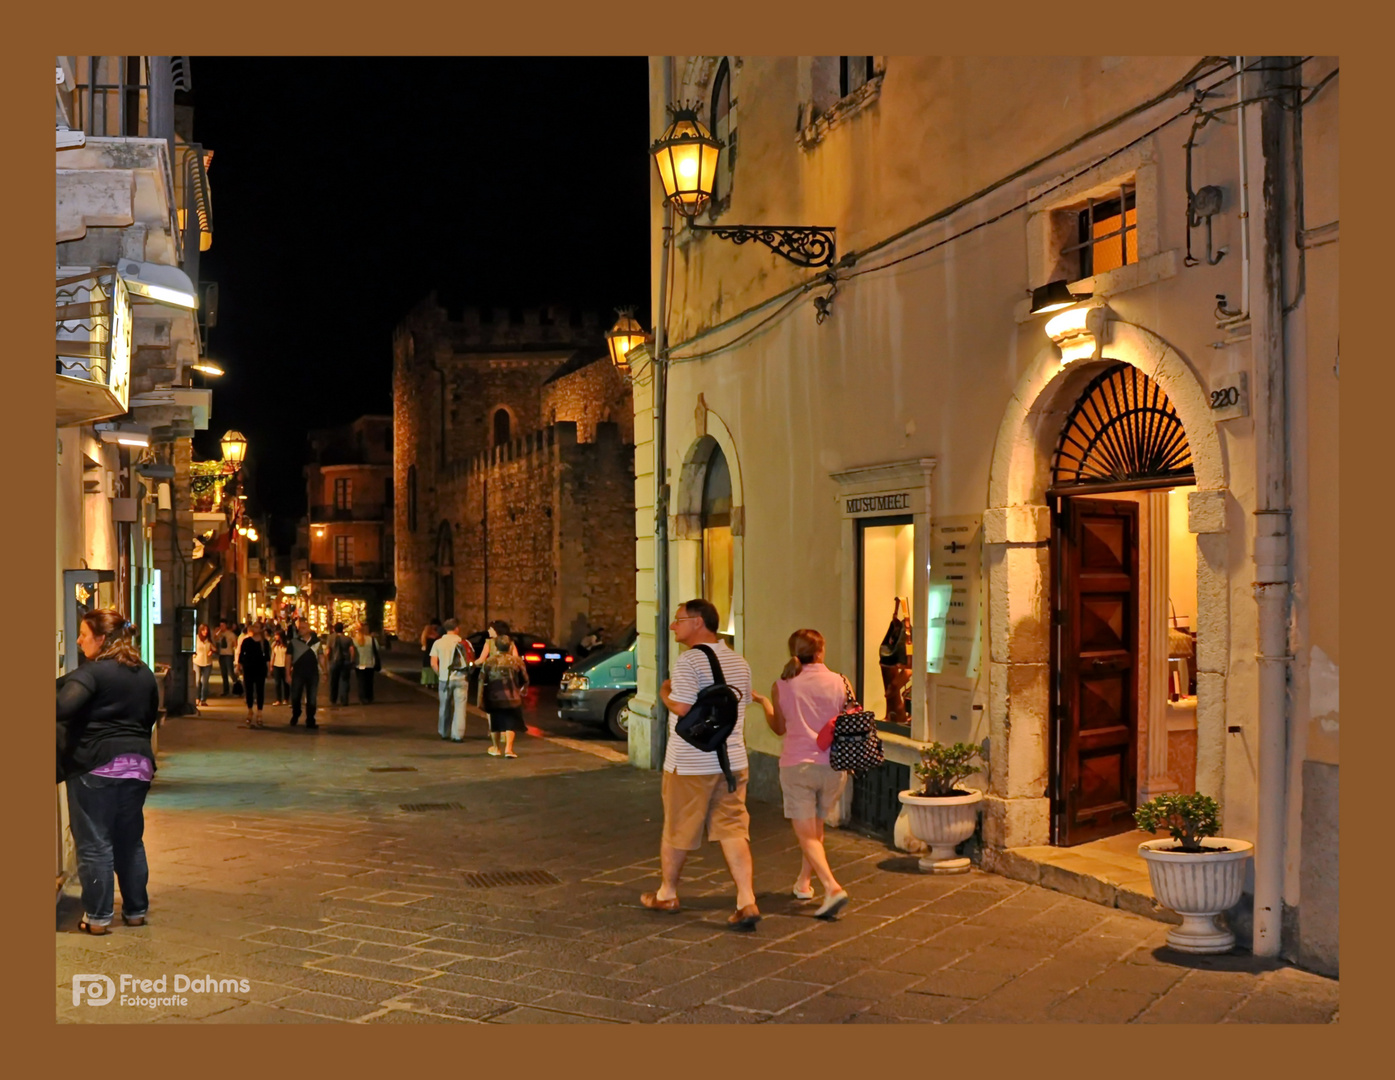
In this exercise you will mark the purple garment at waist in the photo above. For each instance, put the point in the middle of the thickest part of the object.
(127, 767)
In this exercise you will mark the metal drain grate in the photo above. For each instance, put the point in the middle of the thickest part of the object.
(392, 768)
(497, 878)
(422, 807)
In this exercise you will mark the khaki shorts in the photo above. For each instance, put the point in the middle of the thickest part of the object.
(692, 803)
(811, 789)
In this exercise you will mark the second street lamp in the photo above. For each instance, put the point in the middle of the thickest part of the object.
(686, 157)
(622, 337)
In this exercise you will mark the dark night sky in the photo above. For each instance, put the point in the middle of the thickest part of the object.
(346, 189)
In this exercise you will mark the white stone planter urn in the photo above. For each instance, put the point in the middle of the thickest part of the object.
(941, 822)
(1198, 886)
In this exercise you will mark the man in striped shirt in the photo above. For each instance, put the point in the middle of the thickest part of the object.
(695, 795)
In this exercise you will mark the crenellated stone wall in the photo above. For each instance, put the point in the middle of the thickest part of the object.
(535, 529)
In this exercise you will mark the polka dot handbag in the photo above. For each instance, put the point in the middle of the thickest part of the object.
(856, 746)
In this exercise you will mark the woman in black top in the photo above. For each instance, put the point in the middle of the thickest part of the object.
(254, 658)
(106, 710)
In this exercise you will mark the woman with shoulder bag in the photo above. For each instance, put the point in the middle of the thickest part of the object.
(503, 678)
(803, 701)
(106, 711)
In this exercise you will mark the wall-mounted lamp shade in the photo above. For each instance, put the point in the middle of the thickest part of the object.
(686, 157)
(162, 284)
(234, 445)
(124, 434)
(622, 337)
(1053, 296)
(208, 367)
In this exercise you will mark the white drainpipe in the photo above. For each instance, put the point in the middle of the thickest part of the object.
(1271, 545)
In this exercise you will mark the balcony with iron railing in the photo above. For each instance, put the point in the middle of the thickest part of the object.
(366, 512)
(359, 571)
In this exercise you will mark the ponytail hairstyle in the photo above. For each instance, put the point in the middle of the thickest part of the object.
(111, 625)
(806, 646)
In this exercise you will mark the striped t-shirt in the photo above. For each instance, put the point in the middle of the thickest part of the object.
(692, 672)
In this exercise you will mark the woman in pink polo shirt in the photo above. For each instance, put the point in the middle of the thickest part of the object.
(805, 699)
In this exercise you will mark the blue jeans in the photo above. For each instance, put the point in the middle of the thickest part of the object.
(451, 693)
(205, 675)
(108, 823)
(225, 665)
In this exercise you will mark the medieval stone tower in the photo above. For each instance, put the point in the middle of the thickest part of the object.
(513, 460)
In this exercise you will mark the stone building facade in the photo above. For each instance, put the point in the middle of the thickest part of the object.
(348, 530)
(513, 467)
(907, 424)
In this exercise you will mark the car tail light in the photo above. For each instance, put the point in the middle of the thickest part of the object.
(569, 658)
(533, 658)
(539, 644)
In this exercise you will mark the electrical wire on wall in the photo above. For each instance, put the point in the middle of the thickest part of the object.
(792, 295)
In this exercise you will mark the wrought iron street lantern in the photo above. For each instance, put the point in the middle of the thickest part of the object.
(686, 156)
(234, 445)
(622, 337)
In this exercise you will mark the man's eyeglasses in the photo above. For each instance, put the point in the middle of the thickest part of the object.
(685, 618)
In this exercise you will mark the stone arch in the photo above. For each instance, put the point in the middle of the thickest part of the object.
(686, 524)
(1017, 539)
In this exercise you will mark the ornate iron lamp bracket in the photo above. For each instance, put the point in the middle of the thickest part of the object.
(803, 245)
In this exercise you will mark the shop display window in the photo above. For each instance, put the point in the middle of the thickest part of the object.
(886, 598)
(389, 617)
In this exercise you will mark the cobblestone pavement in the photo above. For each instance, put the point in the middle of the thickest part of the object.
(331, 871)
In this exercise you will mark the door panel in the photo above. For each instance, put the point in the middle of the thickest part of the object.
(1096, 645)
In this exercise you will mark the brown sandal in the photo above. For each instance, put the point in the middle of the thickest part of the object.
(653, 903)
(89, 928)
(135, 920)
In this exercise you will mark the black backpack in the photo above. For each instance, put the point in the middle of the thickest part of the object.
(712, 718)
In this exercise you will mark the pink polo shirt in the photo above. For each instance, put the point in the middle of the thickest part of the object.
(808, 701)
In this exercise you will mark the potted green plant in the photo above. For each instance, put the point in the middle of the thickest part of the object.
(941, 814)
(1194, 872)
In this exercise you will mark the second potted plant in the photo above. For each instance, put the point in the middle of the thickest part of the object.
(1195, 873)
(942, 814)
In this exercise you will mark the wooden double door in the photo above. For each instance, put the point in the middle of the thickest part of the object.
(1095, 662)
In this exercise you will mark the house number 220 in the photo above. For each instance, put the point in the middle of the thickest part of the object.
(1225, 397)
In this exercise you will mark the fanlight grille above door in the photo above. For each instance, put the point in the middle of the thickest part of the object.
(1123, 430)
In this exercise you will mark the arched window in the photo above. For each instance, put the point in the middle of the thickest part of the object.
(718, 564)
(722, 126)
(411, 498)
(501, 426)
(445, 572)
(1123, 430)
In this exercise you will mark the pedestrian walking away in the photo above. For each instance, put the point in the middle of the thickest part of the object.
(368, 660)
(280, 668)
(503, 678)
(450, 659)
(429, 635)
(340, 653)
(696, 797)
(254, 660)
(226, 641)
(205, 652)
(106, 711)
(305, 673)
(804, 700)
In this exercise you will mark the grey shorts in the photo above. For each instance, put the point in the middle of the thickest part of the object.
(811, 789)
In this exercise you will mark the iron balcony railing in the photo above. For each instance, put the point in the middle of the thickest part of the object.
(359, 571)
(358, 512)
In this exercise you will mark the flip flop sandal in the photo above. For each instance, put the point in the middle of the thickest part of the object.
(88, 928)
(510, 754)
(493, 751)
(803, 895)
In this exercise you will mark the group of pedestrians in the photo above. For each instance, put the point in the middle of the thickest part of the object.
(499, 673)
(697, 798)
(294, 655)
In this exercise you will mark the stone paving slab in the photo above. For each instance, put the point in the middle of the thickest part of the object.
(279, 859)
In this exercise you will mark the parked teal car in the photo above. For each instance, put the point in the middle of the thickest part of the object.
(597, 688)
